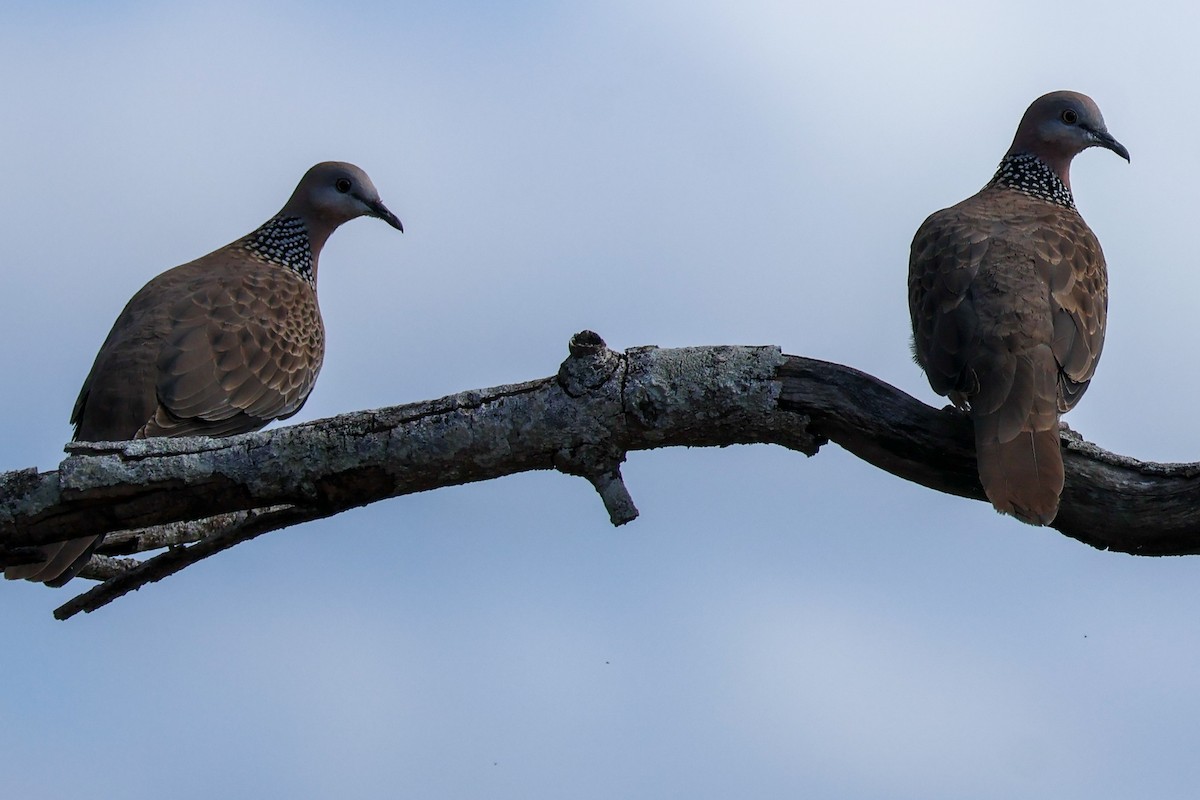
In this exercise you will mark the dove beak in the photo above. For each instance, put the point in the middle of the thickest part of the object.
(1105, 139)
(379, 210)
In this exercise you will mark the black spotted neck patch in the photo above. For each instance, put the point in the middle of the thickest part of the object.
(1030, 175)
(284, 241)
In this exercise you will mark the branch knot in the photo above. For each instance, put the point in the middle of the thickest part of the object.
(589, 366)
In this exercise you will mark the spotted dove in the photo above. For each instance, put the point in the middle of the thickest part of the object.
(221, 345)
(1008, 293)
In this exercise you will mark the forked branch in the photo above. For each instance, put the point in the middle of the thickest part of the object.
(200, 496)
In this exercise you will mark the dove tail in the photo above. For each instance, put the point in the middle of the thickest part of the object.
(60, 563)
(1023, 476)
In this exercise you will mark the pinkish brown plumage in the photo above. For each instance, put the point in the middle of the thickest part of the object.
(1008, 292)
(220, 345)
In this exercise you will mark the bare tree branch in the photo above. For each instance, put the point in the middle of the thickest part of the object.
(131, 577)
(1110, 501)
(102, 568)
(600, 406)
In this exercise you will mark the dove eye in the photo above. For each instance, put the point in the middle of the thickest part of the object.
(1070, 117)
(342, 185)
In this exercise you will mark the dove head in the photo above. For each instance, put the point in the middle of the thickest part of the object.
(1060, 125)
(331, 193)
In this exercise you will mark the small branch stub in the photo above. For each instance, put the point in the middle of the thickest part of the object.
(589, 368)
(602, 469)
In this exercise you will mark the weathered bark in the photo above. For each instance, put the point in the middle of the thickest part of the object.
(601, 405)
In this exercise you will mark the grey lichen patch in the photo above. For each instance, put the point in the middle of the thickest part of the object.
(27, 492)
(185, 460)
(682, 388)
(80, 474)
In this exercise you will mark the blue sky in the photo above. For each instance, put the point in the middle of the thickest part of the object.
(666, 173)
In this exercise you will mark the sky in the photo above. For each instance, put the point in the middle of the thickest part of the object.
(663, 173)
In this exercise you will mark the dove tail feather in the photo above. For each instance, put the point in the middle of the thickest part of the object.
(1024, 476)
